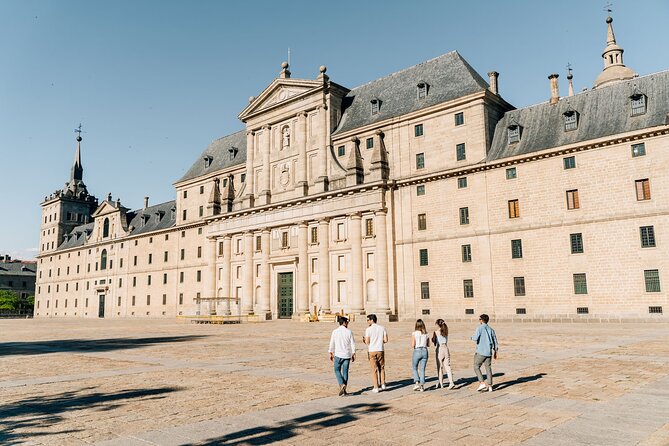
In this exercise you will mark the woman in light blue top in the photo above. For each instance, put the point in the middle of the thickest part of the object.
(420, 341)
(443, 356)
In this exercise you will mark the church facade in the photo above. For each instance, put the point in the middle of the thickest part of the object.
(420, 194)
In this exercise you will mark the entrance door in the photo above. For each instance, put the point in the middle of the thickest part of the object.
(285, 295)
(101, 307)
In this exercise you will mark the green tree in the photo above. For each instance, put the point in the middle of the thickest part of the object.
(9, 300)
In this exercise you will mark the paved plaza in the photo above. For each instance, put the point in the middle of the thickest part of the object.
(140, 382)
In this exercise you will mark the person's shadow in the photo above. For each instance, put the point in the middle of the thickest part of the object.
(519, 380)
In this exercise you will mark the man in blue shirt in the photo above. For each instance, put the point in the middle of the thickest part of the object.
(486, 349)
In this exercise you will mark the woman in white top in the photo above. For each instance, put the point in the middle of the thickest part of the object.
(420, 341)
(440, 340)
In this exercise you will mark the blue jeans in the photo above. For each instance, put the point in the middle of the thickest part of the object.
(341, 369)
(419, 358)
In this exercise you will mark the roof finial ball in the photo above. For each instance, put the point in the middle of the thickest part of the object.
(285, 72)
(323, 69)
(284, 64)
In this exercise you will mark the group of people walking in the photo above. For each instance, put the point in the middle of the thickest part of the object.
(342, 353)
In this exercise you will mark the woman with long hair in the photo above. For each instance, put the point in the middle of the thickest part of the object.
(443, 356)
(420, 341)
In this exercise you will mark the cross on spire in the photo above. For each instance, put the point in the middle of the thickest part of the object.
(78, 131)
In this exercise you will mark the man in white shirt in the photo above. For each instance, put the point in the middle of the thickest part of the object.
(375, 337)
(342, 352)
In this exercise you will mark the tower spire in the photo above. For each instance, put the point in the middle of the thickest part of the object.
(614, 68)
(570, 78)
(77, 172)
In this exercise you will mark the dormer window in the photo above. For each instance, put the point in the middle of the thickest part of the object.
(173, 213)
(514, 133)
(376, 106)
(570, 120)
(422, 90)
(207, 161)
(638, 103)
(233, 152)
(159, 215)
(145, 219)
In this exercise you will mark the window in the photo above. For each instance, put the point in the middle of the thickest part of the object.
(652, 278)
(148, 279)
(421, 90)
(369, 143)
(642, 189)
(133, 301)
(418, 130)
(580, 284)
(284, 239)
(420, 190)
(376, 105)
(258, 270)
(469, 311)
(198, 276)
(341, 291)
(517, 249)
(514, 209)
(422, 222)
(425, 290)
(570, 120)
(464, 216)
(258, 243)
(150, 258)
(422, 256)
(572, 199)
(182, 254)
(199, 252)
(638, 104)
(510, 173)
(462, 182)
(164, 278)
(369, 227)
(103, 259)
(518, 286)
(370, 260)
(341, 233)
(655, 310)
(105, 228)
(242, 178)
(314, 235)
(165, 256)
(201, 190)
(148, 299)
(569, 162)
(638, 150)
(207, 161)
(201, 211)
(183, 214)
(239, 246)
(420, 161)
(181, 298)
(466, 253)
(164, 299)
(181, 277)
(341, 263)
(582, 310)
(134, 281)
(576, 241)
(425, 311)
(199, 231)
(468, 286)
(314, 265)
(521, 311)
(647, 236)
(120, 283)
(341, 150)
(459, 118)
(460, 152)
(513, 133)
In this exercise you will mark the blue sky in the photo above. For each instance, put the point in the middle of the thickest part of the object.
(154, 81)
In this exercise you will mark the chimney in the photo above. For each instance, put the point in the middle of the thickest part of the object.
(146, 202)
(555, 92)
(493, 75)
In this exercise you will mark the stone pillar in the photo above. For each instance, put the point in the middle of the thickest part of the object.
(357, 301)
(225, 273)
(323, 153)
(247, 296)
(210, 275)
(381, 254)
(324, 264)
(302, 269)
(301, 140)
(266, 279)
(264, 195)
(250, 174)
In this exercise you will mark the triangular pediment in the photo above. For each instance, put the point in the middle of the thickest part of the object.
(104, 209)
(278, 92)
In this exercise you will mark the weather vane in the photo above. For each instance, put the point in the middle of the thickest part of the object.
(78, 131)
(569, 67)
(608, 7)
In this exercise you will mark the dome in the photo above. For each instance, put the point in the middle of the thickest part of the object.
(614, 73)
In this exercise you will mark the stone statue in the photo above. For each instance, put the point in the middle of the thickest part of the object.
(285, 140)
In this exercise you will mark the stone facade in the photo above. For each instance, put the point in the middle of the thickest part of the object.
(421, 193)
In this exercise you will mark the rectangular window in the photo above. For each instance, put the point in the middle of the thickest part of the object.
(341, 150)
(181, 298)
(466, 253)
(341, 263)
(341, 233)
(284, 239)
(314, 265)
(422, 222)
(638, 150)
(369, 143)
(582, 310)
(570, 121)
(521, 311)
(638, 103)
(369, 227)
(164, 299)
(181, 277)
(238, 272)
(514, 209)
(420, 161)
(148, 299)
(459, 119)
(134, 281)
(647, 236)
(513, 134)
(198, 276)
(201, 211)
(314, 235)
(576, 241)
(460, 152)
(469, 311)
(468, 286)
(422, 255)
(418, 130)
(164, 278)
(148, 279)
(655, 310)
(569, 162)
(580, 284)
(258, 270)
(420, 190)
(464, 216)
(220, 250)
(425, 290)
(134, 261)
(462, 182)
(165, 256)
(199, 252)
(183, 214)
(518, 286)
(370, 260)
(201, 190)
(120, 282)
(258, 243)
(572, 199)
(652, 278)
(642, 189)
(341, 291)
(517, 249)
(133, 301)
(239, 246)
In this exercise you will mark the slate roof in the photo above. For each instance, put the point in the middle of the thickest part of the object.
(78, 236)
(219, 150)
(17, 269)
(603, 111)
(448, 77)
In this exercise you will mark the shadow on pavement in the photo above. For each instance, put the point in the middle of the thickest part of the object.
(520, 380)
(85, 345)
(464, 382)
(291, 428)
(37, 416)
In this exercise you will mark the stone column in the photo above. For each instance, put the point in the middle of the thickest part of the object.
(247, 296)
(323, 153)
(225, 273)
(267, 174)
(266, 279)
(302, 269)
(301, 138)
(324, 264)
(381, 254)
(357, 301)
(250, 174)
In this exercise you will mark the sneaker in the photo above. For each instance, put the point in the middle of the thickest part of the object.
(416, 387)
(421, 389)
(383, 387)
(451, 386)
(344, 389)
(375, 390)
(341, 391)
(482, 386)
(489, 388)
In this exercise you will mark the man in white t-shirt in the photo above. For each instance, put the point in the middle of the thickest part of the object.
(342, 352)
(375, 337)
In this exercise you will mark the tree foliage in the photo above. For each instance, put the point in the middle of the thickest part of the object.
(9, 300)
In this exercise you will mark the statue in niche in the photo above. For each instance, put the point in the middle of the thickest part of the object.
(285, 138)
